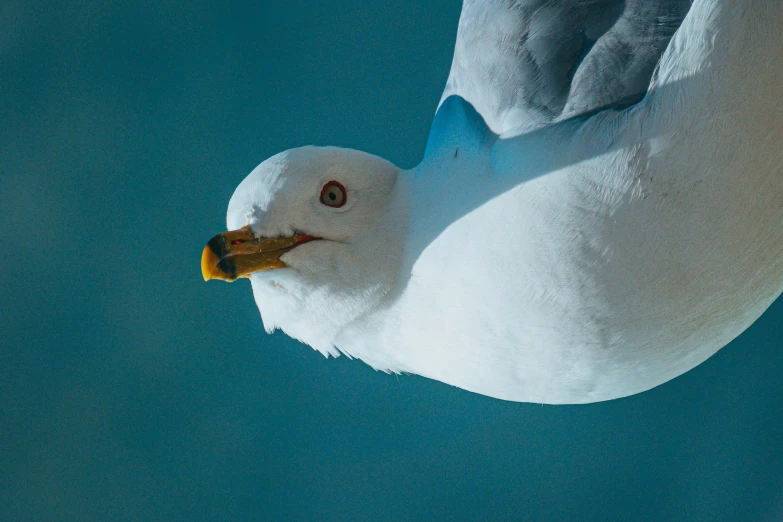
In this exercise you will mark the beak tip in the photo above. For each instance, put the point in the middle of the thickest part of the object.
(208, 261)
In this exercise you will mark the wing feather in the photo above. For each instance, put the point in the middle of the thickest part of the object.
(525, 63)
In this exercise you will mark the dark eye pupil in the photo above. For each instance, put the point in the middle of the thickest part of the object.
(332, 196)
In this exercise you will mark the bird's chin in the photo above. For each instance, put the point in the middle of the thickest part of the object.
(273, 282)
(273, 299)
(283, 302)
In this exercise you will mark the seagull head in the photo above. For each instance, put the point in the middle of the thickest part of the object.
(320, 233)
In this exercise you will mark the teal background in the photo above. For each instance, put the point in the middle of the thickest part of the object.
(132, 390)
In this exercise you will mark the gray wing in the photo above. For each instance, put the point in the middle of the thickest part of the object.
(525, 63)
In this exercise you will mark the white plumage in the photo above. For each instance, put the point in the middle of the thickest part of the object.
(600, 207)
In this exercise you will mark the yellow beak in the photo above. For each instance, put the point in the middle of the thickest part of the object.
(237, 253)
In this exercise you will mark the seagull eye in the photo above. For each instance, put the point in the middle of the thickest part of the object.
(333, 195)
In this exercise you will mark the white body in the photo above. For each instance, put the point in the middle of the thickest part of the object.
(614, 275)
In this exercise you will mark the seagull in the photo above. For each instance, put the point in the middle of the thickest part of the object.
(599, 207)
